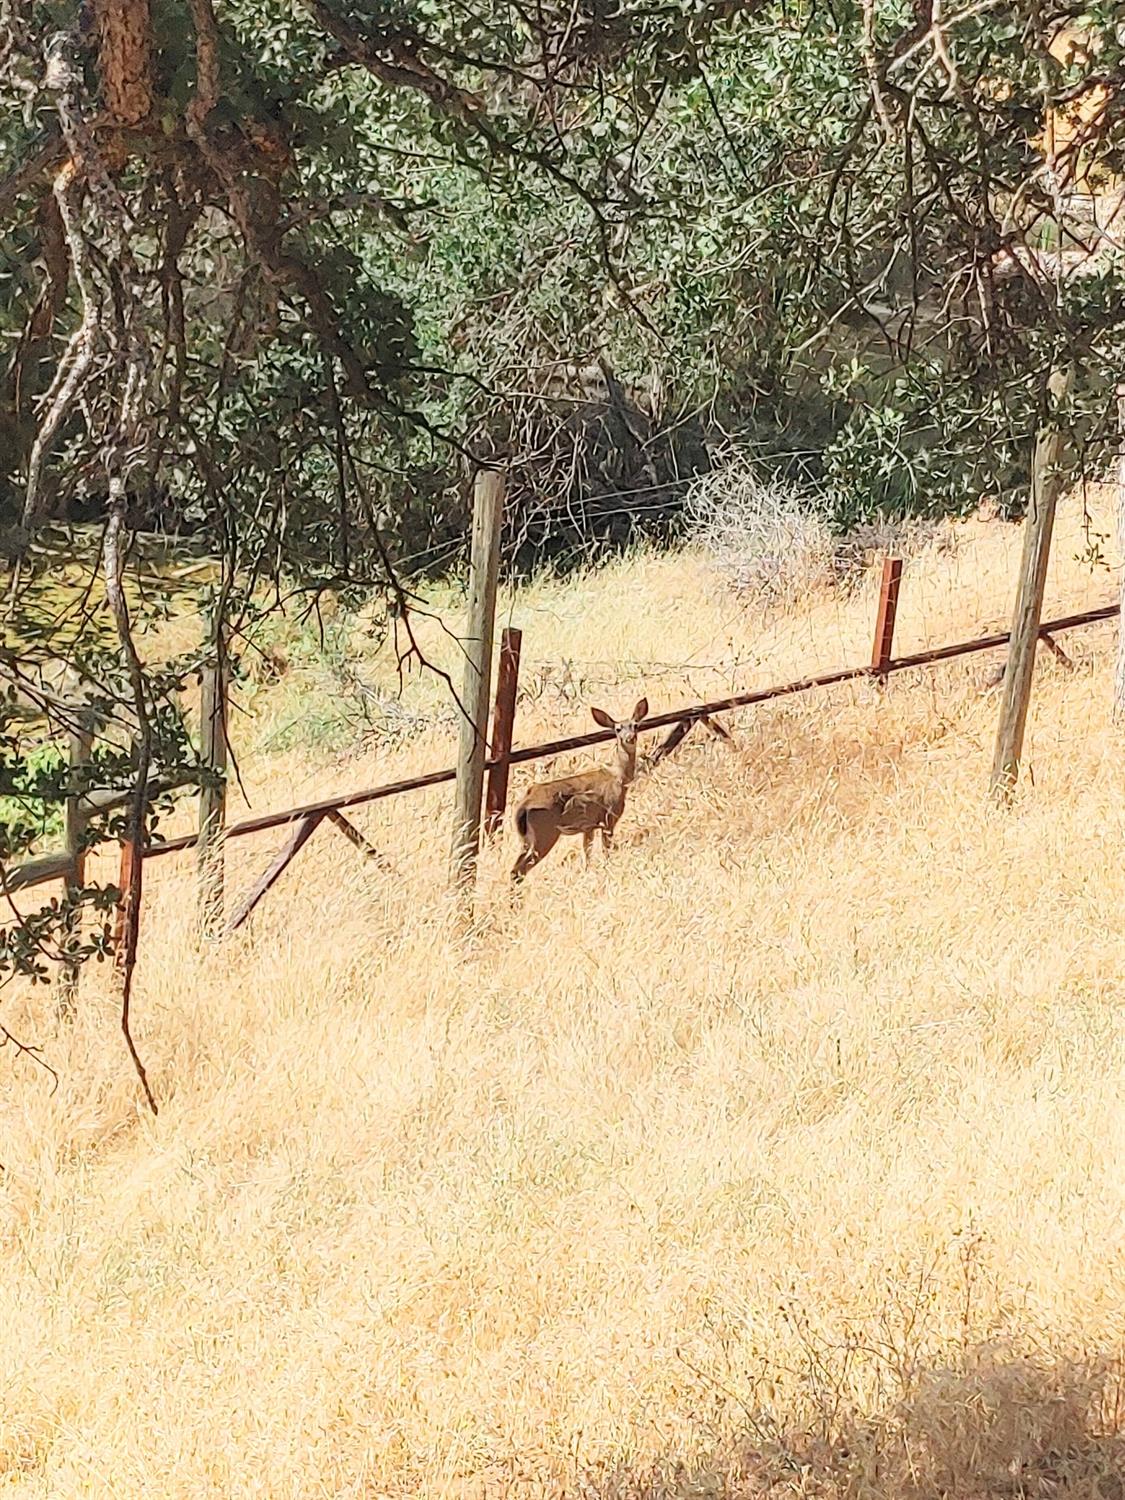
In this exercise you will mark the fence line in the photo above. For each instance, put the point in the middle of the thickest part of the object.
(689, 714)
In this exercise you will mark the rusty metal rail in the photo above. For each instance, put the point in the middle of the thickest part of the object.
(312, 812)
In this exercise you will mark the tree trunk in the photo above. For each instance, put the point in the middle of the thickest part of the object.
(125, 58)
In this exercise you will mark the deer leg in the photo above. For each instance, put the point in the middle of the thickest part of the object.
(540, 839)
(587, 845)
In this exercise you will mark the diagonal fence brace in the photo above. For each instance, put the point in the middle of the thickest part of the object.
(359, 840)
(296, 841)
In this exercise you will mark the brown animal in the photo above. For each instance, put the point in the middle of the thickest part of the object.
(584, 803)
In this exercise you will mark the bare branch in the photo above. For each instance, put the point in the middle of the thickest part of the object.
(26, 177)
(32, 1053)
(75, 365)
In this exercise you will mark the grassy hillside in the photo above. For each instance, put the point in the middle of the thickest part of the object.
(785, 1154)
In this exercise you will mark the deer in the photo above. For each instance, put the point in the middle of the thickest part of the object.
(587, 802)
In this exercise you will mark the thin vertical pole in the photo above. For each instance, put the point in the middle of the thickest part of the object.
(885, 620)
(1046, 482)
(212, 798)
(503, 725)
(488, 518)
(76, 817)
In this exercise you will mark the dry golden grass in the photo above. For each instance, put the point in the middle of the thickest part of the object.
(784, 1154)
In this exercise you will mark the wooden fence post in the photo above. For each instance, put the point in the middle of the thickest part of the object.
(75, 818)
(1046, 482)
(212, 799)
(503, 723)
(488, 517)
(885, 620)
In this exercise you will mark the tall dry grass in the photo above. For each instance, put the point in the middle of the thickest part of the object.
(783, 1154)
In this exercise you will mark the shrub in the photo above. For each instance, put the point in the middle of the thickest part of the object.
(772, 540)
(762, 533)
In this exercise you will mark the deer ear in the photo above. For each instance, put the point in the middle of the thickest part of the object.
(641, 711)
(601, 717)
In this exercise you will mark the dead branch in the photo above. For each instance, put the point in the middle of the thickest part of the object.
(75, 365)
(85, 169)
(114, 563)
(403, 69)
(52, 296)
(941, 48)
(123, 453)
(871, 67)
(32, 1053)
(122, 456)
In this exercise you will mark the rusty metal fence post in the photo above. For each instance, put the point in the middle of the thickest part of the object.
(885, 621)
(503, 724)
(127, 924)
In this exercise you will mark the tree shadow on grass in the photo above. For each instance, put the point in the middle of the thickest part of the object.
(989, 1428)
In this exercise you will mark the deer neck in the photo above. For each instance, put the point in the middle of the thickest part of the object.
(626, 762)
